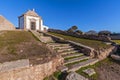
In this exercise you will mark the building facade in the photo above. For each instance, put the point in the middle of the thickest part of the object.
(31, 21)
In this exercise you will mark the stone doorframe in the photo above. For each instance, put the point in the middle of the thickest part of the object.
(32, 24)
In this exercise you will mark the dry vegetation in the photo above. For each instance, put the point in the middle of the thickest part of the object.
(92, 43)
(108, 70)
(22, 44)
(116, 41)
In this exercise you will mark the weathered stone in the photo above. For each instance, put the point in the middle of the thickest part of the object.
(66, 49)
(69, 52)
(7, 66)
(42, 38)
(71, 55)
(86, 49)
(62, 68)
(89, 71)
(36, 72)
(59, 45)
(116, 57)
(102, 54)
(5, 24)
(76, 59)
(63, 47)
(75, 76)
(92, 37)
(83, 64)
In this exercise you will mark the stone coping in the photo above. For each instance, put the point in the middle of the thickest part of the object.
(8, 66)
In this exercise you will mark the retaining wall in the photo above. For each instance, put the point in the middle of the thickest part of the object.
(36, 72)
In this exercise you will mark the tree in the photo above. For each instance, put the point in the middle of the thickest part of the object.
(72, 29)
(104, 33)
(78, 32)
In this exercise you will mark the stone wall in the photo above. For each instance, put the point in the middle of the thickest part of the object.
(92, 37)
(36, 72)
(115, 57)
(115, 37)
(8, 66)
(104, 53)
(5, 24)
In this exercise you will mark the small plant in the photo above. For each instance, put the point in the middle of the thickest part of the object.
(57, 74)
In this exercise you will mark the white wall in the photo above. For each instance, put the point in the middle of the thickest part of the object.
(21, 22)
(39, 23)
(43, 26)
(28, 22)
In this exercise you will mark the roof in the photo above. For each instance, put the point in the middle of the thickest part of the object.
(31, 13)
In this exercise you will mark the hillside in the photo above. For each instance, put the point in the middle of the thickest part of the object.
(92, 43)
(20, 45)
(116, 41)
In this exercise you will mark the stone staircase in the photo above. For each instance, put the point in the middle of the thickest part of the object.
(73, 58)
(41, 37)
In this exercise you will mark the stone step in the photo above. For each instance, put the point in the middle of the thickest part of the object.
(62, 68)
(46, 39)
(76, 67)
(62, 47)
(76, 59)
(58, 45)
(69, 52)
(66, 49)
(73, 55)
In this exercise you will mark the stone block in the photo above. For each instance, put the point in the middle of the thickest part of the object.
(89, 71)
(7, 66)
(62, 68)
(75, 76)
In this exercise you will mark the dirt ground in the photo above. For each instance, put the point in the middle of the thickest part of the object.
(109, 70)
(16, 45)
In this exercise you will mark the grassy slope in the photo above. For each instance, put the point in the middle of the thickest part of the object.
(92, 43)
(116, 41)
(20, 44)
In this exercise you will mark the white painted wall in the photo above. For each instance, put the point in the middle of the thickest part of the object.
(43, 26)
(39, 23)
(28, 22)
(21, 23)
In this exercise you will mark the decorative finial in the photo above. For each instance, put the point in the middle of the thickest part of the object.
(33, 9)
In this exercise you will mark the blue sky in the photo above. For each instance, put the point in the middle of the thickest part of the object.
(62, 14)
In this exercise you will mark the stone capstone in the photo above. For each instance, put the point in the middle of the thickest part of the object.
(75, 76)
(8, 66)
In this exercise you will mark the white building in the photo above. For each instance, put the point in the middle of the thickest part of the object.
(31, 21)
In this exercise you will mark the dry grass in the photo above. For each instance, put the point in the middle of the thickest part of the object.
(116, 41)
(21, 44)
(92, 43)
